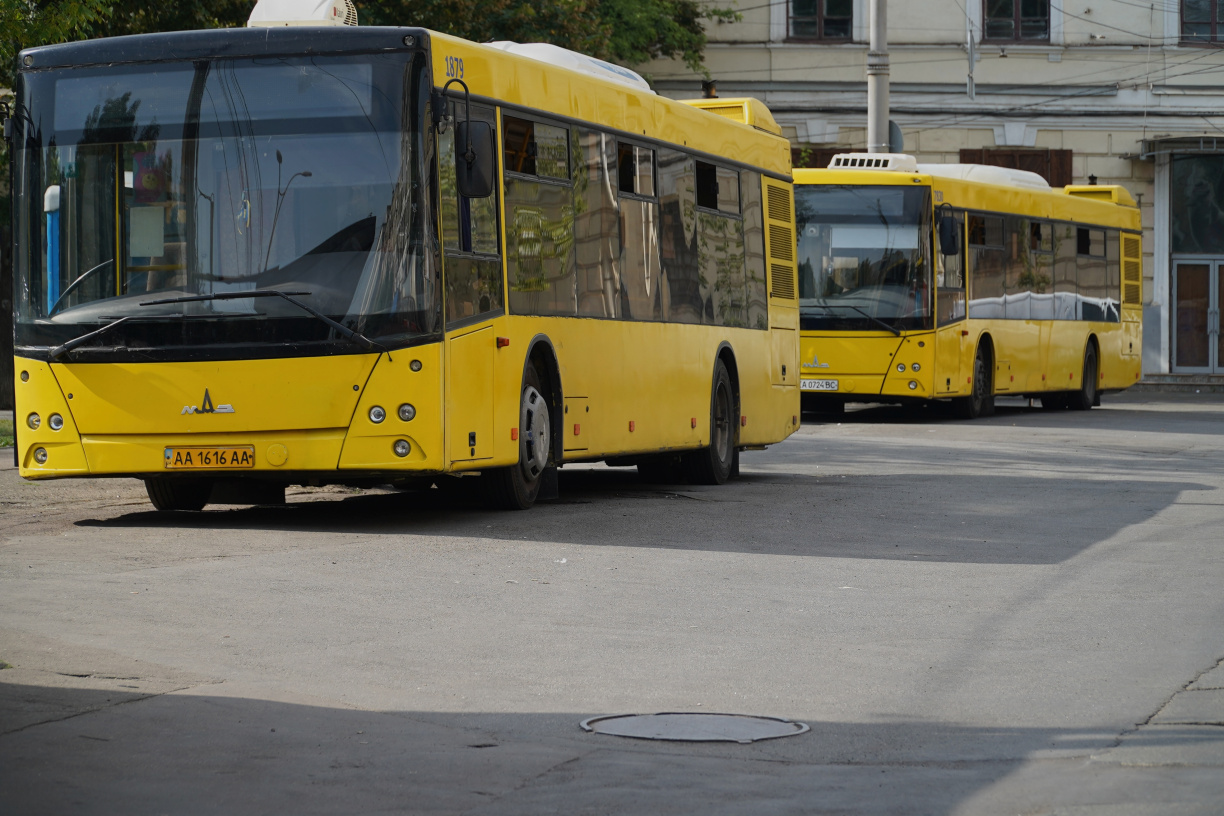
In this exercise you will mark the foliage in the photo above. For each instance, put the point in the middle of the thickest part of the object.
(651, 29)
(6, 433)
(628, 32)
(25, 23)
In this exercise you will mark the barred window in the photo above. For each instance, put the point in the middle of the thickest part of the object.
(1018, 20)
(820, 19)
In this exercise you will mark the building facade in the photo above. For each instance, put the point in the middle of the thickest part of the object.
(1111, 91)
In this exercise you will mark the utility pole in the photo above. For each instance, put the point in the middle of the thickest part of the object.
(877, 80)
(970, 46)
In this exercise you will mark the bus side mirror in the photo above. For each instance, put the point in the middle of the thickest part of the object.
(949, 236)
(474, 159)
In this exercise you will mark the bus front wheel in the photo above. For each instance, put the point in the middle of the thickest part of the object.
(178, 494)
(980, 402)
(1086, 396)
(714, 464)
(516, 487)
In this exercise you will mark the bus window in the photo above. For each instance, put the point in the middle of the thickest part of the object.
(539, 219)
(1039, 272)
(707, 186)
(678, 236)
(864, 257)
(1113, 276)
(989, 259)
(754, 244)
(597, 245)
(635, 167)
(639, 261)
(469, 236)
(950, 277)
(1066, 286)
(1091, 272)
(728, 190)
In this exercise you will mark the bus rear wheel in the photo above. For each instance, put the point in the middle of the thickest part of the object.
(980, 402)
(516, 487)
(169, 494)
(1086, 396)
(714, 464)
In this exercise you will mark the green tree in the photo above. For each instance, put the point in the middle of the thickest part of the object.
(652, 29)
(25, 23)
(628, 32)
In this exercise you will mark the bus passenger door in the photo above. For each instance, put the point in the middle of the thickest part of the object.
(469, 394)
(474, 293)
(950, 335)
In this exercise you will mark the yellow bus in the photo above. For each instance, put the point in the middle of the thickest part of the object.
(963, 282)
(262, 257)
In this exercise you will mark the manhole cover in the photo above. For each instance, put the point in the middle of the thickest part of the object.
(694, 727)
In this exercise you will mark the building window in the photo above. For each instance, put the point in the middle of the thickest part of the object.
(820, 19)
(1202, 21)
(1020, 20)
(1052, 165)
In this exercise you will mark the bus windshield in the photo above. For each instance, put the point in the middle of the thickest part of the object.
(864, 257)
(161, 192)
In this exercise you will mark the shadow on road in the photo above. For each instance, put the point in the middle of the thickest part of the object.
(1002, 520)
(193, 754)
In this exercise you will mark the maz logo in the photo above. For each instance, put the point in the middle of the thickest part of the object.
(206, 407)
(815, 363)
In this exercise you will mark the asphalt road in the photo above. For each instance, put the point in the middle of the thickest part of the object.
(1018, 615)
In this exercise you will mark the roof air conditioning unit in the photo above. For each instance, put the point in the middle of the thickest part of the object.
(271, 13)
(898, 162)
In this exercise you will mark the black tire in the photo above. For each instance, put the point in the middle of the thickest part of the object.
(713, 464)
(981, 401)
(169, 494)
(516, 487)
(667, 468)
(1086, 396)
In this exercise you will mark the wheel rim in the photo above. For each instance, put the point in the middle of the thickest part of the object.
(722, 422)
(534, 437)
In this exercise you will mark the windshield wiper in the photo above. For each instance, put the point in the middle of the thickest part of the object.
(872, 318)
(345, 331)
(60, 351)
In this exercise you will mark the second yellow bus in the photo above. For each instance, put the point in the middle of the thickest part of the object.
(963, 283)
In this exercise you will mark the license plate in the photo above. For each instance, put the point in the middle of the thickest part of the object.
(817, 385)
(237, 456)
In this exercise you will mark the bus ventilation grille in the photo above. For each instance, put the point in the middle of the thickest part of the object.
(779, 204)
(780, 243)
(781, 229)
(1132, 272)
(782, 281)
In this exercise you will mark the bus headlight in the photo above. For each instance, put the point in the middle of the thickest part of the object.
(34, 420)
(55, 421)
(401, 447)
(913, 385)
(406, 412)
(40, 456)
(916, 367)
(377, 414)
(901, 366)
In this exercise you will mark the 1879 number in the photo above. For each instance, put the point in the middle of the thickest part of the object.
(454, 67)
